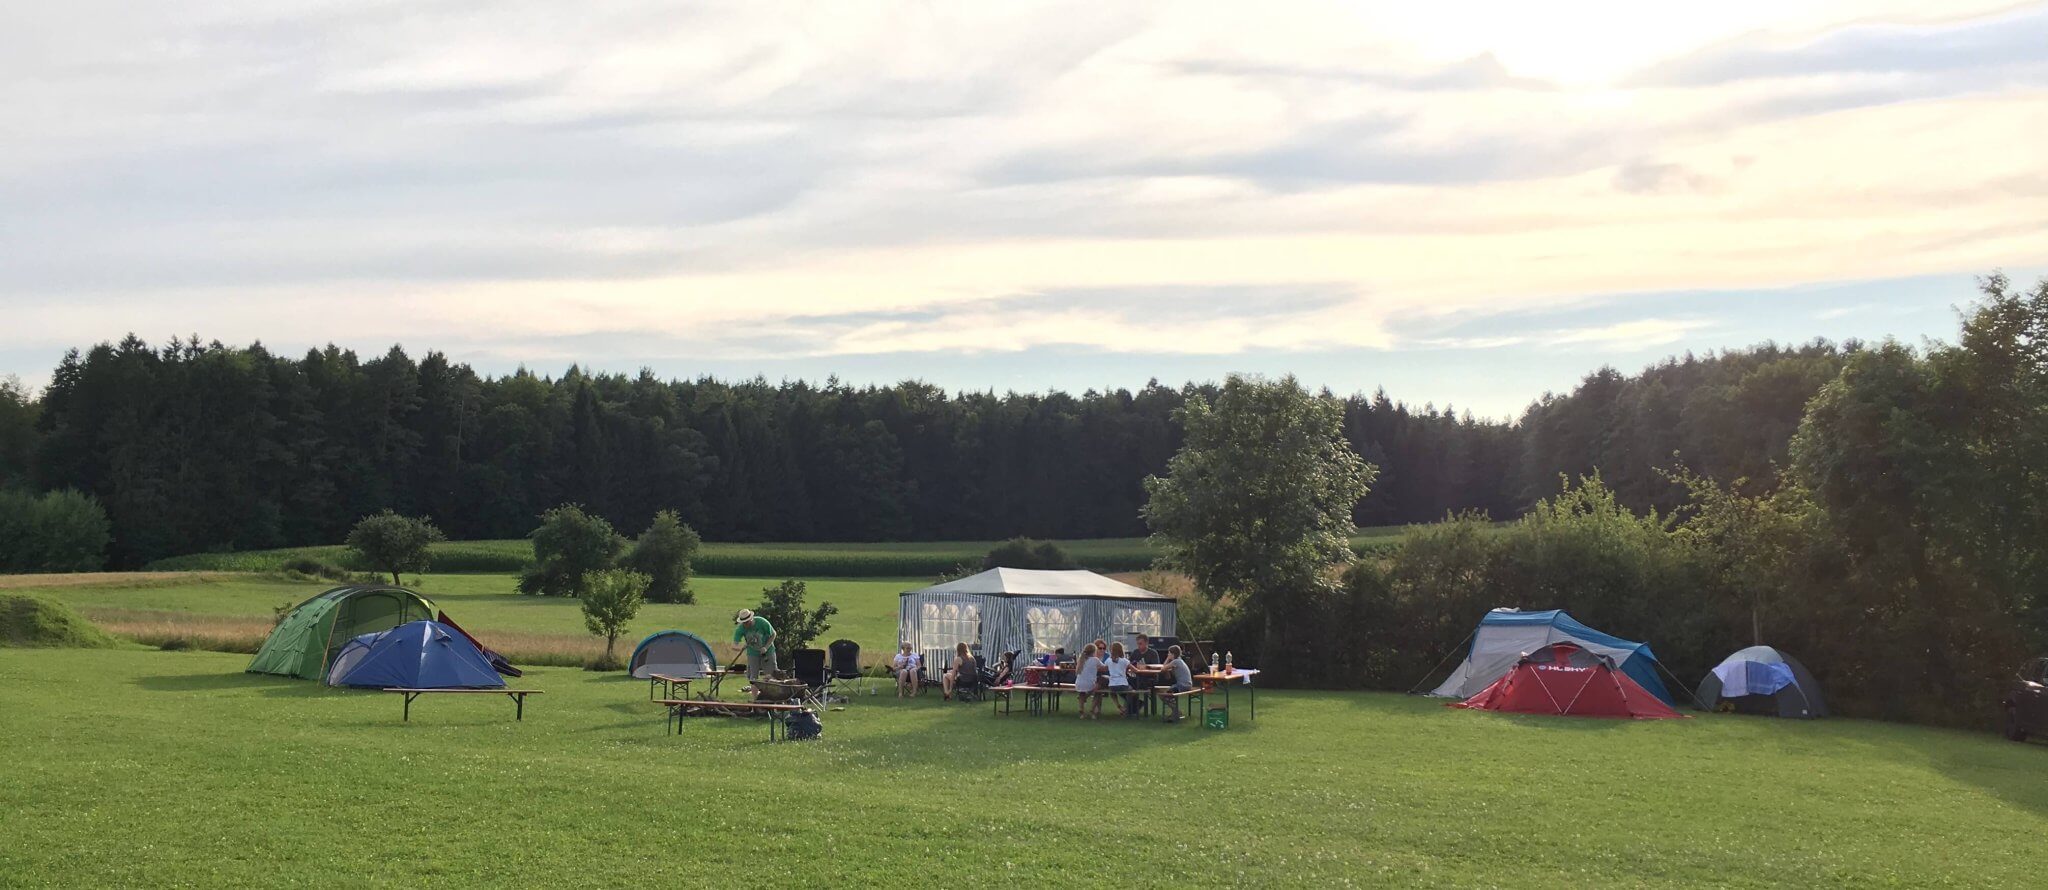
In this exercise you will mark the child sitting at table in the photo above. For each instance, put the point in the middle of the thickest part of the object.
(1183, 680)
(908, 680)
(1119, 669)
(1087, 683)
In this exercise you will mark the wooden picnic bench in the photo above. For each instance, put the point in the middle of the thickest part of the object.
(518, 697)
(777, 712)
(1211, 681)
(669, 682)
(1034, 695)
(1036, 698)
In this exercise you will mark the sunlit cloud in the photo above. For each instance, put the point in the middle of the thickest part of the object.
(721, 185)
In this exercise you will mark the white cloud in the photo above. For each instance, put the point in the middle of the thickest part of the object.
(839, 180)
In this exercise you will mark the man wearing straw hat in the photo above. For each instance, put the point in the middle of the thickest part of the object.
(758, 636)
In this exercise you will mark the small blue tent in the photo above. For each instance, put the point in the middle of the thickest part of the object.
(420, 655)
(1762, 680)
(674, 653)
(1506, 635)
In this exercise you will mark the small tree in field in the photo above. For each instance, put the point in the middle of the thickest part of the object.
(569, 546)
(783, 606)
(388, 542)
(663, 553)
(611, 599)
(1257, 503)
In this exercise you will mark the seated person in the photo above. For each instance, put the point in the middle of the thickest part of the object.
(1183, 680)
(909, 680)
(1119, 668)
(1087, 683)
(963, 667)
(1002, 675)
(1144, 656)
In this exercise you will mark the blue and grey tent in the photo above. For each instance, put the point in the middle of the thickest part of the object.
(419, 655)
(1762, 680)
(1504, 636)
(673, 653)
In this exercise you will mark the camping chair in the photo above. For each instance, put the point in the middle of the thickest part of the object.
(971, 686)
(846, 665)
(809, 667)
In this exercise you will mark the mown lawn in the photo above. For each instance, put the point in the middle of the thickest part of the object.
(138, 767)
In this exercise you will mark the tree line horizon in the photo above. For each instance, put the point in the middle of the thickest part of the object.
(198, 447)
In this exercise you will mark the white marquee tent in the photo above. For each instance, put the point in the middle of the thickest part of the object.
(1029, 611)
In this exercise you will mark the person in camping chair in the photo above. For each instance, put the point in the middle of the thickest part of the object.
(757, 636)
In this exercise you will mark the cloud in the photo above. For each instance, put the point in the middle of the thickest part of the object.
(752, 182)
(2007, 45)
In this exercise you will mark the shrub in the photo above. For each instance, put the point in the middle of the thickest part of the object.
(568, 547)
(388, 542)
(663, 554)
(61, 531)
(1025, 553)
(783, 606)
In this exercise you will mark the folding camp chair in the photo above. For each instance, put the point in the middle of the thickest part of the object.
(972, 684)
(809, 667)
(846, 665)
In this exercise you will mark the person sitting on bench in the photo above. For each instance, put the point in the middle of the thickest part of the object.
(963, 668)
(909, 679)
(1183, 680)
(1088, 683)
(1119, 668)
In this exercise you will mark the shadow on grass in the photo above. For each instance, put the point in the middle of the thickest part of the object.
(917, 742)
(218, 682)
(2014, 772)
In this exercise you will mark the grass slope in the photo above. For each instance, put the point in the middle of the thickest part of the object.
(208, 776)
(815, 560)
(27, 620)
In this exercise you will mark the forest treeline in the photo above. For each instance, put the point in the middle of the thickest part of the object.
(198, 446)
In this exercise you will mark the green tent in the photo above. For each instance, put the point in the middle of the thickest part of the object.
(306, 640)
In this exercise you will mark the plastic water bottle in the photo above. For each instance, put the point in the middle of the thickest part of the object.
(1212, 663)
(1228, 664)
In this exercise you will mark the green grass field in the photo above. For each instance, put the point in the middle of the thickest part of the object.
(781, 560)
(135, 767)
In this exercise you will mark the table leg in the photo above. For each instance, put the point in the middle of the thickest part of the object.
(408, 706)
(519, 706)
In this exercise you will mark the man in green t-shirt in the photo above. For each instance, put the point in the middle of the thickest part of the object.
(757, 636)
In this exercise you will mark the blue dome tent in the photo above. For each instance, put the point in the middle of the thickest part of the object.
(1762, 680)
(1504, 636)
(675, 653)
(419, 655)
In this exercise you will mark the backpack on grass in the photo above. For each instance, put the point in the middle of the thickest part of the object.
(804, 725)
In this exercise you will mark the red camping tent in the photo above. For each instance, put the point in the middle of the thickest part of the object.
(497, 661)
(1567, 681)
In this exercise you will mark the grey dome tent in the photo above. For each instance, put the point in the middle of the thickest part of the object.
(1762, 680)
(675, 653)
(1028, 610)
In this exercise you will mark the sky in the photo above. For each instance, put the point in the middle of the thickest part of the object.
(1468, 204)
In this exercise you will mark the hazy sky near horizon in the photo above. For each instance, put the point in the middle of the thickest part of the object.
(1469, 204)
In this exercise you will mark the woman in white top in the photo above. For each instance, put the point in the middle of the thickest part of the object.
(1119, 681)
(908, 679)
(1087, 682)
